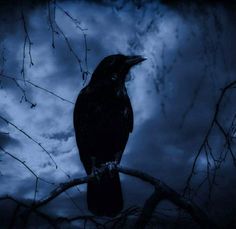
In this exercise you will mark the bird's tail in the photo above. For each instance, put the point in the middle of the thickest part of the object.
(104, 196)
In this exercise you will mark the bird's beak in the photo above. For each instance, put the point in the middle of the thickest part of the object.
(133, 60)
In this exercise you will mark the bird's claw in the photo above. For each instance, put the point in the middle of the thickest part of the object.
(111, 166)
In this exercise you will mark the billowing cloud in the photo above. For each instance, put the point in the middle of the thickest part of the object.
(190, 58)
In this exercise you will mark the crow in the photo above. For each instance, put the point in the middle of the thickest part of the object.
(103, 119)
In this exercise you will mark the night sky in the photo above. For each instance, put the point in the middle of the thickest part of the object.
(191, 56)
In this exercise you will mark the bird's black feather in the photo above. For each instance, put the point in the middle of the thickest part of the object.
(103, 119)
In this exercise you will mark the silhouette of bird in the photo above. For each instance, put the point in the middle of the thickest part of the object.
(103, 119)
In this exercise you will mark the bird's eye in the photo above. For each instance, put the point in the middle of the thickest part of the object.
(114, 77)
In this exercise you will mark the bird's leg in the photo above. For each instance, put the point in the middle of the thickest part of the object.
(112, 165)
(95, 170)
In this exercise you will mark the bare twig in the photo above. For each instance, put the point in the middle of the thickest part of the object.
(25, 165)
(50, 19)
(56, 29)
(37, 143)
(205, 144)
(28, 41)
(21, 204)
(162, 192)
(36, 86)
(22, 89)
(29, 137)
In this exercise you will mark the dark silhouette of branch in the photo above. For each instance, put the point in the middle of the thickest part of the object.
(36, 142)
(77, 23)
(36, 86)
(25, 165)
(28, 41)
(29, 137)
(37, 178)
(56, 29)
(14, 216)
(148, 209)
(85, 218)
(74, 20)
(162, 191)
(21, 204)
(120, 220)
(206, 147)
(2, 59)
(22, 89)
(192, 102)
(51, 18)
(165, 192)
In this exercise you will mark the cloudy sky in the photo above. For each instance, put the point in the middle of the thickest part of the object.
(191, 55)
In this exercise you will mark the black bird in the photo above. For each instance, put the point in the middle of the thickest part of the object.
(103, 119)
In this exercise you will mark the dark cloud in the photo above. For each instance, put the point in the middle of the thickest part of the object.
(191, 57)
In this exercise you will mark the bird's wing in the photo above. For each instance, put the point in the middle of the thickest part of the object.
(101, 127)
(129, 116)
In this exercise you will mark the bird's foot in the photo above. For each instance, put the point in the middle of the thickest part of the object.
(111, 166)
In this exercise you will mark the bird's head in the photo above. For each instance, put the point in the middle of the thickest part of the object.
(115, 68)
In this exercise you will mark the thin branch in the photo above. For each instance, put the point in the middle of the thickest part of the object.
(37, 143)
(36, 86)
(23, 91)
(163, 192)
(14, 216)
(25, 165)
(74, 20)
(69, 46)
(214, 122)
(21, 204)
(29, 137)
(28, 41)
(168, 193)
(53, 31)
(77, 23)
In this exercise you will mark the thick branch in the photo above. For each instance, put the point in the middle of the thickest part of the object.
(21, 204)
(148, 209)
(162, 191)
(169, 194)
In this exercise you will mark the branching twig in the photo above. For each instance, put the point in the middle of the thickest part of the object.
(28, 41)
(29, 137)
(205, 143)
(26, 166)
(36, 86)
(53, 31)
(56, 29)
(21, 204)
(162, 192)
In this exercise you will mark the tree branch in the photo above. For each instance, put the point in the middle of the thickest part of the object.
(205, 143)
(36, 86)
(29, 137)
(162, 191)
(148, 209)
